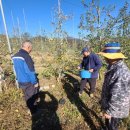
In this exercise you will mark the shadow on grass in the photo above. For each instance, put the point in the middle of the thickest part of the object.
(70, 89)
(46, 118)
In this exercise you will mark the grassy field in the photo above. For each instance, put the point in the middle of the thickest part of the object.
(61, 107)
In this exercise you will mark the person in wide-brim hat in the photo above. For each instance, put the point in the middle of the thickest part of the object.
(115, 97)
(112, 51)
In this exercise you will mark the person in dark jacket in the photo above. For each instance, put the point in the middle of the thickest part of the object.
(115, 98)
(26, 76)
(92, 63)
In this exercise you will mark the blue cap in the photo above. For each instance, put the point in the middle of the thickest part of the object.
(84, 50)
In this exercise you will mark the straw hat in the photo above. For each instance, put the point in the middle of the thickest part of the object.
(112, 50)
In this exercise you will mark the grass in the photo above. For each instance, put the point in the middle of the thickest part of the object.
(13, 110)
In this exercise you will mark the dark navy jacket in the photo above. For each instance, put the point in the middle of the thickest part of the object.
(92, 62)
(24, 67)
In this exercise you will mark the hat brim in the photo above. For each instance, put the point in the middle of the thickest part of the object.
(113, 55)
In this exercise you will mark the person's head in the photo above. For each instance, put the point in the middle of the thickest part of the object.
(112, 52)
(86, 51)
(111, 61)
(27, 46)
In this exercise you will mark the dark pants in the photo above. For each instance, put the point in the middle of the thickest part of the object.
(92, 84)
(112, 124)
(31, 95)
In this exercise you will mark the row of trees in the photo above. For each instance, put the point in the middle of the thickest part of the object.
(101, 23)
(97, 24)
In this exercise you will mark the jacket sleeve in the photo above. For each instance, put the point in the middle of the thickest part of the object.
(82, 64)
(98, 63)
(31, 74)
(29, 67)
(118, 97)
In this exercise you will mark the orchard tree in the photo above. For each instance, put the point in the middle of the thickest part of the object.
(61, 38)
(123, 20)
(95, 21)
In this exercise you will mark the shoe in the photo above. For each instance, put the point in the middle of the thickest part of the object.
(91, 95)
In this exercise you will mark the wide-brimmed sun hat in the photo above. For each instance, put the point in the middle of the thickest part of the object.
(112, 50)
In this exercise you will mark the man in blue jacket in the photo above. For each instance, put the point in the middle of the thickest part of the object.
(92, 63)
(26, 76)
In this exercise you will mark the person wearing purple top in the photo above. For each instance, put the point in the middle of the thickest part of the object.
(92, 63)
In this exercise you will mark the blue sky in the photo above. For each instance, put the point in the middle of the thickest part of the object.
(39, 13)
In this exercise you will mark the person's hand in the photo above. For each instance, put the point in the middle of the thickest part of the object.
(36, 85)
(107, 116)
(78, 67)
(91, 70)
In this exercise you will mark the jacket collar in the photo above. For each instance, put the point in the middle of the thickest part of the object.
(23, 51)
(88, 55)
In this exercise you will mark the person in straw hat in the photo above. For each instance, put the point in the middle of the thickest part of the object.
(115, 97)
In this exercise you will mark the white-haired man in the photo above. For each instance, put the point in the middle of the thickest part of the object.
(26, 76)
